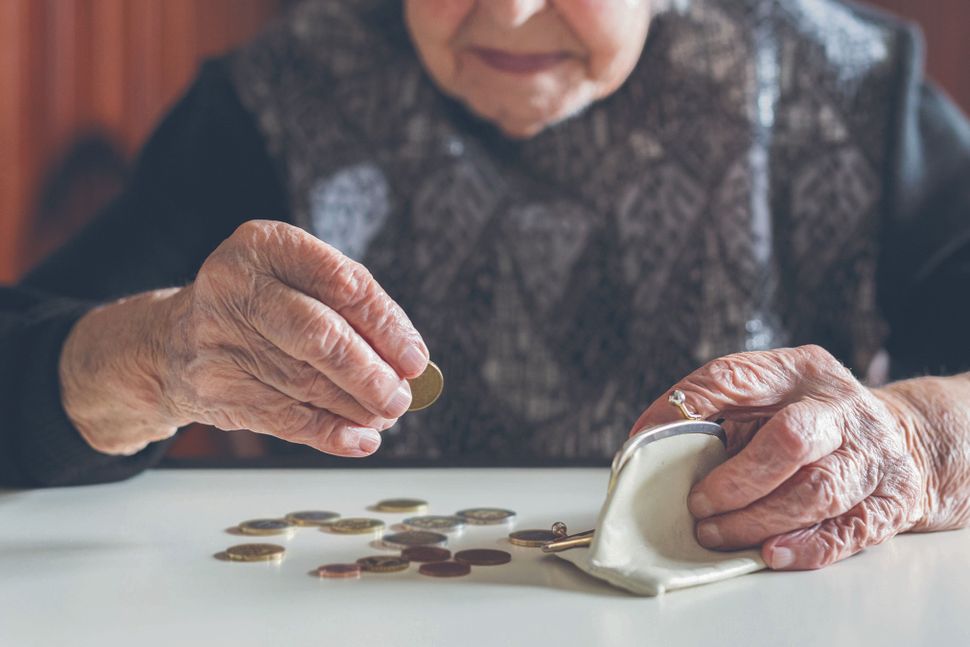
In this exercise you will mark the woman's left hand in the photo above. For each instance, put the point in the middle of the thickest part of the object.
(821, 467)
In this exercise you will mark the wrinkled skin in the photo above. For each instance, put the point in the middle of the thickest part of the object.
(821, 466)
(600, 41)
(280, 334)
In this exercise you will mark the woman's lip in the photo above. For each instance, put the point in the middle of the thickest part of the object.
(519, 63)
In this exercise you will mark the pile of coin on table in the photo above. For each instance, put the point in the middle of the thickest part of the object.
(421, 539)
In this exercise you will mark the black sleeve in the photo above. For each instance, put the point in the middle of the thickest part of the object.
(925, 278)
(203, 173)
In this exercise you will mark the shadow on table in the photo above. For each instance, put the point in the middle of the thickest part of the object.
(52, 551)
(552, 573)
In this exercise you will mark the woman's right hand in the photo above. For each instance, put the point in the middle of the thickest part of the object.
(280, 334)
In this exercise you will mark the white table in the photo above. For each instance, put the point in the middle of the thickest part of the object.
(132, 564)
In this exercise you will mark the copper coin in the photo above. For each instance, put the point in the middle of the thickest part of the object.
(532, 538)
(383, 564)
(426, 554)
(445, 569)
(339, 571)
(483, 557)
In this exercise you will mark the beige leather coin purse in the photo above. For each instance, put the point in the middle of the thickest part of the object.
(644, 540)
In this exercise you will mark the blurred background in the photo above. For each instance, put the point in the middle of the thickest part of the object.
(82, 83)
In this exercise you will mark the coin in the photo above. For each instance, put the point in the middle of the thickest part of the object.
(402, 505)
(383, 564)
(486, 516)
(435, 523)
(532, 538)
(444, 569)
(312, 517)
(265, 527)
(255, 552)
(339, 571)
(426, 554)
(483, 557)
(410, 538)
(356, 526)
(426, 388)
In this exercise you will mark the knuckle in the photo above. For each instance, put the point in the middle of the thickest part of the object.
(821, 364)
(794, 444)
(818, 493)
(813, 352)
(734, 373)
(376, 386)
(297, 422)
(351, 284)
(251, 231)
(330, 341)
(310, 385)
(737, 487)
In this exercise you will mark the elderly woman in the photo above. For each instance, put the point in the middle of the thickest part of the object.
(576, 202)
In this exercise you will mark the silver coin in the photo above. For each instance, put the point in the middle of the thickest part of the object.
(486, 516)
(434, 523)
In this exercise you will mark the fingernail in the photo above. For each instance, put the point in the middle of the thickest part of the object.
(700, 505)
(400, 402)
(413, 361)
(368, 441)
(781, 557)
(709, 535)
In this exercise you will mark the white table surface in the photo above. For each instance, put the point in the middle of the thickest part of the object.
(132, 564)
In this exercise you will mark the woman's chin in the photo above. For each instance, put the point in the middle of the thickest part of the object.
(521, 126)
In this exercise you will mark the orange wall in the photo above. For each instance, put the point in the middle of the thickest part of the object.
(68, 66)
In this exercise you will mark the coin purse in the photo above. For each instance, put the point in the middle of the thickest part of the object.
(644, 540)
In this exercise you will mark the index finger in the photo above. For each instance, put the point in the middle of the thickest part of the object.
(309, 265)
(744, 386)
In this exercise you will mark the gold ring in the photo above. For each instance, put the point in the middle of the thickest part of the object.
(679, 400)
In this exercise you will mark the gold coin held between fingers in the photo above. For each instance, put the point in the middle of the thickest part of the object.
(426, 388)
(265, 527)
(355, 526)
(255, 552)
(312, 517)
(402, 505)
(383, 564)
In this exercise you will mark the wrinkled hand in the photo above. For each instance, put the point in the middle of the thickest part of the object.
(280, 334)
(821, 466)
